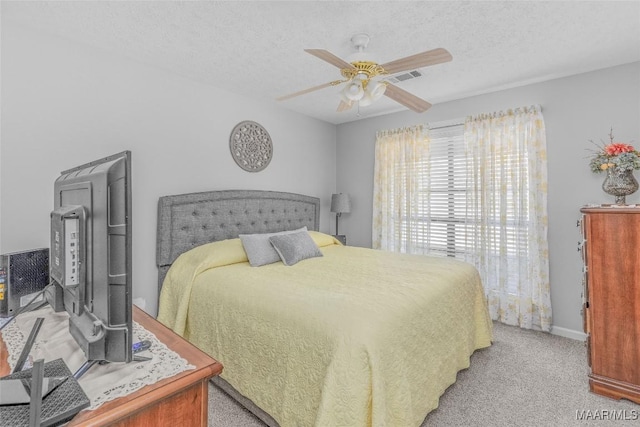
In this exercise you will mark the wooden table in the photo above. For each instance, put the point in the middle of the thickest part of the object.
(181, 400)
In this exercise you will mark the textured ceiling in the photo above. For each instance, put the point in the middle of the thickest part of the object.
(255, 48)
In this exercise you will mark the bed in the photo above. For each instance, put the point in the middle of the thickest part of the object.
(351, 337)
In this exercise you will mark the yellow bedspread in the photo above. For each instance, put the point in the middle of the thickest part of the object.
(358, 337)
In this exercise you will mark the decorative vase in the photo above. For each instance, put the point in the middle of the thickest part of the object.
(620, 183)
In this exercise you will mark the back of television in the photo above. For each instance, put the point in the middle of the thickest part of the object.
(91, 256)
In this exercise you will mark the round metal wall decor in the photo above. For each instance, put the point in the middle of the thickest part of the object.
(251, 146)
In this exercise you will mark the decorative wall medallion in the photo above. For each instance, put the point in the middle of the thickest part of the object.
(251, 146)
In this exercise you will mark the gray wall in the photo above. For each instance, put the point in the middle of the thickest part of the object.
(576, 109)
(64, 104)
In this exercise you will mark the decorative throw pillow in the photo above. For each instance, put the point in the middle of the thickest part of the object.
(295, 247)
(258, 248)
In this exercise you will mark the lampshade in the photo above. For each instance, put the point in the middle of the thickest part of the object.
(340, 203)
(376, 90)
(372, 93)
(352, 91)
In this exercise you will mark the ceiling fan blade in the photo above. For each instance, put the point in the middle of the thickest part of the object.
(403, 97)
(329, 57)
(344, 106)
(311, 89)
(419, 60)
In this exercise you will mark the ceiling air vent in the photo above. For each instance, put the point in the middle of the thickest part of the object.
(406, 76)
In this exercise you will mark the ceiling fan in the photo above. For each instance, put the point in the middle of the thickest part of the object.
(363, 77)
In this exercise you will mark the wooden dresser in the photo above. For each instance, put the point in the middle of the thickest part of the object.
(611, 253)
(181, 400)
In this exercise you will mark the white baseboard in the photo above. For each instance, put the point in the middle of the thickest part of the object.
(568, 333)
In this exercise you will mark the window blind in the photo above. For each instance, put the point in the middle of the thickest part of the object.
(441, 222)
(442, 193)
(433, 221)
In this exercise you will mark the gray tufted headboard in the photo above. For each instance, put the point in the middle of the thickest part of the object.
(189, 220)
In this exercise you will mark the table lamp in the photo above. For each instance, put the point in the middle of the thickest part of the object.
(340, 204)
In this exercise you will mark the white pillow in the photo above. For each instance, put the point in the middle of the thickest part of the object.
(258, 248)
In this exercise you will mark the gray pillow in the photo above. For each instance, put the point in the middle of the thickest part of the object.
(258, 248)
(295, 247)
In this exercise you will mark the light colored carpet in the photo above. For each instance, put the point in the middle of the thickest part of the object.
(525, 378)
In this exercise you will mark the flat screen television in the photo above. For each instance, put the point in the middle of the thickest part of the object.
(90, 256)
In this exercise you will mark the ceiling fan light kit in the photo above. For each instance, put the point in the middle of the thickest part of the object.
(372, 92)
(352, 91)
(359, 74)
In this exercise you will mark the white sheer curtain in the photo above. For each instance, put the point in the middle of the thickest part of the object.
(496, 212)
(400, 162)
(507, 214)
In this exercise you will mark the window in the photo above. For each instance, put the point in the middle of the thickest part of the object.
(437, 224)
(444, 220)
(442, 195)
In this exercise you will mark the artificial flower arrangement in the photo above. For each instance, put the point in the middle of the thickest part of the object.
(615, 154)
